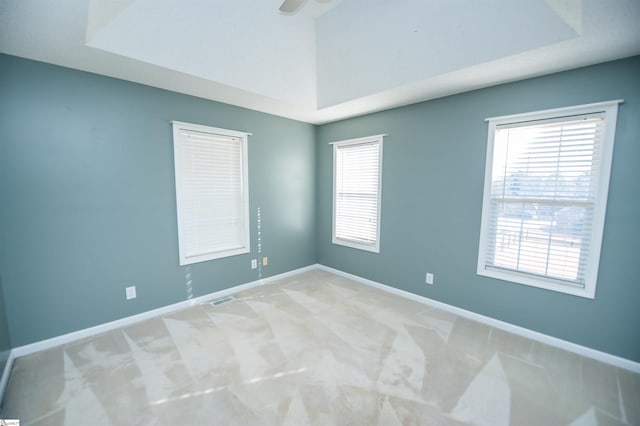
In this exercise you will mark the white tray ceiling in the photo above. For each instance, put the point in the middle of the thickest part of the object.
(329, 61)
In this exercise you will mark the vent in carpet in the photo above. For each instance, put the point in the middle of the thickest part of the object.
(222, 301)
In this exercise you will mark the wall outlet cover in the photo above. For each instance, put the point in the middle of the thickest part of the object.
(265, 261)
(131, 292)
(254, 263)
(429, 278)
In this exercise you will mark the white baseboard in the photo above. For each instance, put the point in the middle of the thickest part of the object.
(92, 331)
(511, 328)
(6, 373)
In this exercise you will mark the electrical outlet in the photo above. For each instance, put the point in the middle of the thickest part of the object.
(254, 263)
(265, 261)
(131, 292)
(429, 278)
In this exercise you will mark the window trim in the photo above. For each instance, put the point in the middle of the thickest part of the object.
(184, 259)
(610, 110)
(375, 247)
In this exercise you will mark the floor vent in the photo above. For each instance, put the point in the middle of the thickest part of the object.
(222, 301)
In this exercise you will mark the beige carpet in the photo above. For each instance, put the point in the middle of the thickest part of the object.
(316, 349)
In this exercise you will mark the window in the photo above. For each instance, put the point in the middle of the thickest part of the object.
(545, 196)
(357, 166)
(211, 192)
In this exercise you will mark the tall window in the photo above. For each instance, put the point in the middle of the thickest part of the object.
(357, 166)
(545, 196)
(211, 192)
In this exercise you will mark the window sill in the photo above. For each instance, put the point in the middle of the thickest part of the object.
(588, 291)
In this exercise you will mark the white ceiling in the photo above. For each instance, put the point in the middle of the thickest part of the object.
(331, 60)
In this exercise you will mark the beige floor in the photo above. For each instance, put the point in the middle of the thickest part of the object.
(316, 349)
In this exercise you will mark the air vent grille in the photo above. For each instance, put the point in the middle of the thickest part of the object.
(222, 301)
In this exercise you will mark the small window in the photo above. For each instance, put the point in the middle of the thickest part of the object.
(545, 196)
(357, 167)
(211, 192)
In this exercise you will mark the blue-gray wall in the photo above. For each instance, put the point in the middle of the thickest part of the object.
(433, 171)
(87, 202)
(87, 198)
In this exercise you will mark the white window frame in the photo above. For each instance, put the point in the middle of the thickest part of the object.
(610, 111)
(187, 258)
(372, 246)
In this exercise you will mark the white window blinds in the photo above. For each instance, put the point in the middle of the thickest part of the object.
(212, 193)
(545, 200)
(357, 174)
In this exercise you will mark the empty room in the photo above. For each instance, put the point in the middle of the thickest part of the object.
(319, 212)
